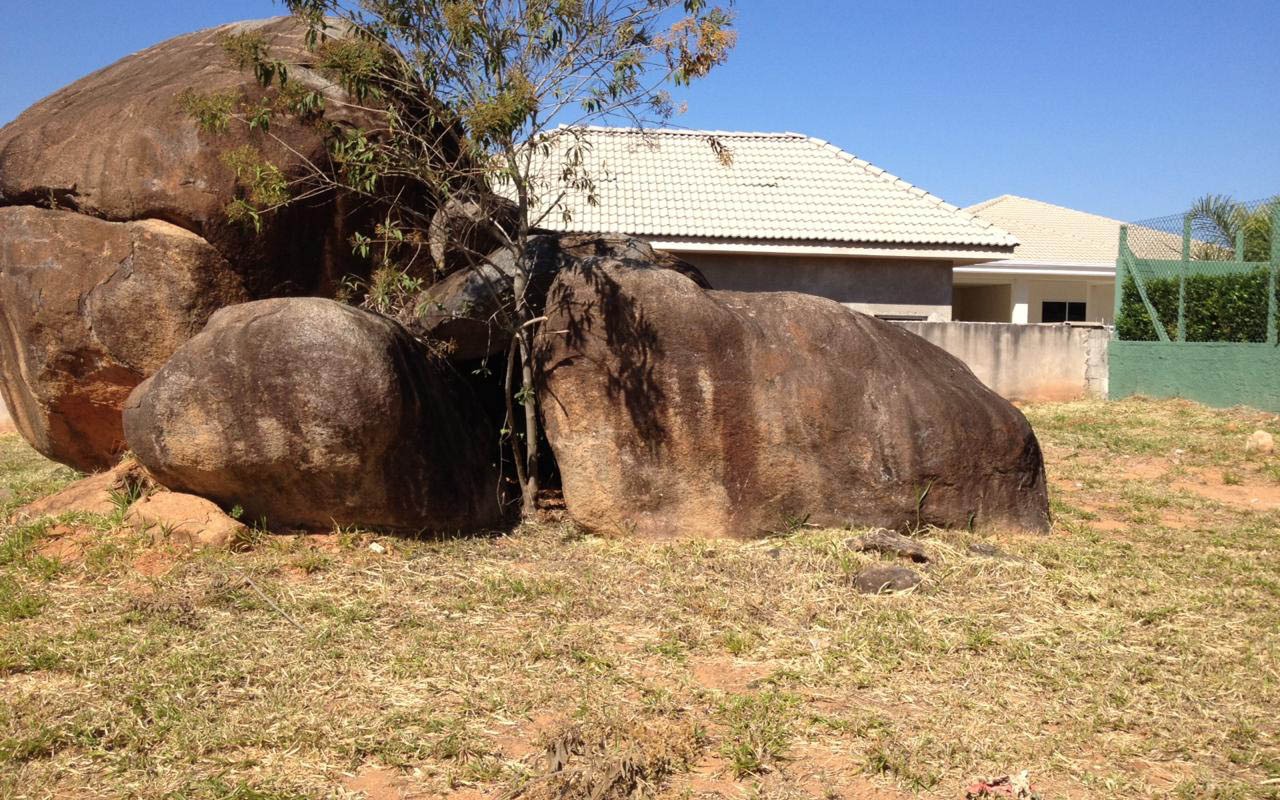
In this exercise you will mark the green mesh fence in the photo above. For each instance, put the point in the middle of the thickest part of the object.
(1206, 275)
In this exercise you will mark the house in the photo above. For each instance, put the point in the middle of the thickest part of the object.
(1063, 269)
(773, 212)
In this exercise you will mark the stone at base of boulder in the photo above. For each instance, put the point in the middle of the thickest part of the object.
(988, 550)
(96, 494)
(891, 543)
(886, 579)
(185, 519)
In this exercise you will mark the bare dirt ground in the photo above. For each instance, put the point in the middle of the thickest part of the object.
(1134, 652)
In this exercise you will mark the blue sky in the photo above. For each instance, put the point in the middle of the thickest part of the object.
(1129, 109)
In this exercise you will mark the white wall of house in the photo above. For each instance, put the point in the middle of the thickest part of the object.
(885, 287)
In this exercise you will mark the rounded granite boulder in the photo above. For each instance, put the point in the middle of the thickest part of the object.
(311, 413)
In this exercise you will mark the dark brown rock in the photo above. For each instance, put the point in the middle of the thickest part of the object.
(311, 413)
(886, 579)
(118, 145)
(471, 311)
(115, 217)
(462, 231)
(88, 309)
(677, 411)
(470, 308)
(891, 543)
(676, 264)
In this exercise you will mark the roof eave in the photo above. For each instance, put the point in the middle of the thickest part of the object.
(959, 253)
(1063, 268)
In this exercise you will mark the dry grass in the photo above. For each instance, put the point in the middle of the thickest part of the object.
(1132, 653)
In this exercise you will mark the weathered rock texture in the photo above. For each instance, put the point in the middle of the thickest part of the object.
(678, 411)
(891, 543)
(96, 494)
(461, 231)
(88, 309)
(886, 579)
(116, 222)
(184, 519)
(1260, 443)
(466, 308)
(118, 145)
(310, 413)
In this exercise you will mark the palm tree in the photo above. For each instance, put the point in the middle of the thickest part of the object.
(1216, 221)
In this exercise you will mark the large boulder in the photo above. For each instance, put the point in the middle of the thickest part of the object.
(88, 309)
(312, 413)
(678, 411)
(120, 145)
(115, 241)
(469, 309)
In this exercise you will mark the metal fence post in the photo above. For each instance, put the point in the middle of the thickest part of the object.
(1182, 279)
(1273, 273)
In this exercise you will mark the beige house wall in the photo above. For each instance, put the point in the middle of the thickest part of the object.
(6, 422)
(886, 287)
(982, 303)
(1102, 302)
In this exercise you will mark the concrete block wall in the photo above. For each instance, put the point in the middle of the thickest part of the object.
(1097, 371)
(1027, 362)
(896, 287)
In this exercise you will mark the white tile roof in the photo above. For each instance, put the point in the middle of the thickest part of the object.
(1053, 234)
(779, 187)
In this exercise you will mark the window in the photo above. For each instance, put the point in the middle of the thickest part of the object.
(1054, 311)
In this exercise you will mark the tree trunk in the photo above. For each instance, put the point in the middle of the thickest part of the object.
(509, 392)
(531, 430)
(524, 338)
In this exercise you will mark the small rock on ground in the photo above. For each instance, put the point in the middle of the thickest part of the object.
(1261, 443)
(96, 494)
(988, 551)
(185, 519)
(886, 579)
(892, 543)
